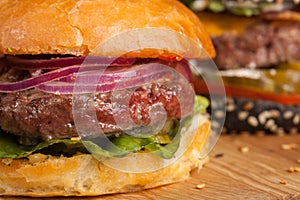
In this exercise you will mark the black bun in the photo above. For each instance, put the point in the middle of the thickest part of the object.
(252, 116)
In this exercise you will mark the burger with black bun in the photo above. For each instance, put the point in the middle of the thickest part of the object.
(95, 94)
(258, 53)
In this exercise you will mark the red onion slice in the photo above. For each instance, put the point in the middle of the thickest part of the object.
(113, 74)
(89, 87)
(43, 78)
(55, 63)
(88, 72)
(184, 69)
(34, 81)
(62, 80)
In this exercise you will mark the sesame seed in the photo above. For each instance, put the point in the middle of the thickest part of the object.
(219, 114)
(200, 186)
(296, 119)
(298, 161)
(230, 107)
(287, 114)
(243, 115)
(274, 128)
(297, 169)
(244, 149)
(270, 123)
(252, 121)
(283, 182)
(291, 169)
(230, 100)
(291, 146)
(199, 5)
(248, 106)
(285, 147)
(214, 104)
(262, 118)
(215, 124)
(274, 113)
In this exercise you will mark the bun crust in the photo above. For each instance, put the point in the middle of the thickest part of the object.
(78, 27)
(85, 176)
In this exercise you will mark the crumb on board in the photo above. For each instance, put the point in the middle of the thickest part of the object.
(297, 169)
(244, 149)
(290, 146)
(219, 155)
(283, 182)
(200, 186)
(290, 169)
(293, 169)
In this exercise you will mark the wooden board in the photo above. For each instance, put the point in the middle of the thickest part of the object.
(252, 175)
(231, 174)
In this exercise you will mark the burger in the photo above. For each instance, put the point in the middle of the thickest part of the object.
(96, 96)
(258, 53)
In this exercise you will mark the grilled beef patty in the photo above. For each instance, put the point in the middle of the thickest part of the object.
(260, 45)
(34, 115)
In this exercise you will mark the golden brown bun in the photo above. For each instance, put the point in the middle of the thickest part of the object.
(82, 175)
(78, 27)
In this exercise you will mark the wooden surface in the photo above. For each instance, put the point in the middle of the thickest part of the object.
(236, 175)
(231, 174)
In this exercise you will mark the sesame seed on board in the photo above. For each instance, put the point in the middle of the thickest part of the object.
(290, 146)
(244, 149)
(293, 169)
(283, 182)
(200, 186)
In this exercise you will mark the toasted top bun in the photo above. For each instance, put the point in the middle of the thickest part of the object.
(78, 27)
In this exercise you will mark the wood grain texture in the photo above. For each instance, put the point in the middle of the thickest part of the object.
(235, 175)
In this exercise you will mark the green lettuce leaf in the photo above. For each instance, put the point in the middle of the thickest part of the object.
(10, 149)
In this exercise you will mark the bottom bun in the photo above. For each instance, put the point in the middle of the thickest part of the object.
(83, 175)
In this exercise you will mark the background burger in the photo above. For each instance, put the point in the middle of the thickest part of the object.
(258, 53)
(45, 44)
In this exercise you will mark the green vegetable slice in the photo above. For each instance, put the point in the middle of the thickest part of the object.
(10, 149)
(216, 6)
